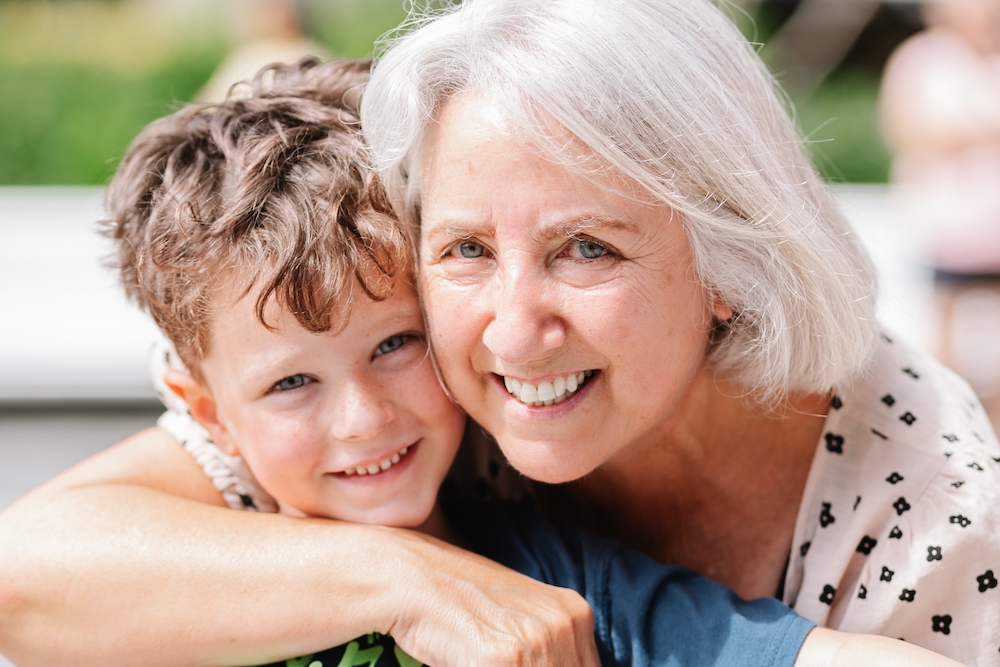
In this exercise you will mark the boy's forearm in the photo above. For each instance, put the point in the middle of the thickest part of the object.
(830, 648)
(109, 575)
(125, 560)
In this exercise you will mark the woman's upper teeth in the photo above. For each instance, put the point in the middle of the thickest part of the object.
(546, 392)
(375, 468)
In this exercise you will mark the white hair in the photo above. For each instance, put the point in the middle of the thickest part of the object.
(669, 94)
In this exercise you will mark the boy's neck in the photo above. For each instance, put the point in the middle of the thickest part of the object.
(437, 526)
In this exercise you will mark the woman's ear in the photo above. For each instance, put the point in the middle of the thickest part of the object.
(202, 407)
(721, 310)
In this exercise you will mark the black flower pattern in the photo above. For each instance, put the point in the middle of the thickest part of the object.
(836, 403)
(889, 400)
(986, 581)
(960, 520)
(862, 592)
(804, 549)
(894, 478)
(907, 417)
(941, 624)
(901, 506)
(834, 443)
(975, 466)
(933, 554)
(825, 517)
(895, 533)
(907, 595)
(826, 597)
(866, 545)
(886, 574)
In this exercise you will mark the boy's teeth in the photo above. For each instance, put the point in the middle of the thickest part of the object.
(548, 392)
(376, 468)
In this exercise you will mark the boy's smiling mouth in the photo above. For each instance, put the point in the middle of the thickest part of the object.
(380, 466)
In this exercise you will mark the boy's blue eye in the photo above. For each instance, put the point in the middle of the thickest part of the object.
(390, 344)
(291, 382)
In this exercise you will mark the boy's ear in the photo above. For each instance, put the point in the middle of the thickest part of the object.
(202, 407)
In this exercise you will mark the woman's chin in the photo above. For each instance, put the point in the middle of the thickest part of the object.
(554, 463)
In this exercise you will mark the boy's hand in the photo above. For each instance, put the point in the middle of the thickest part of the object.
(464, 610)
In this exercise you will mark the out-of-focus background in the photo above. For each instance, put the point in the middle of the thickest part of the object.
(79, 78)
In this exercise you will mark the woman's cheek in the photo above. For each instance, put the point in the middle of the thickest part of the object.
(454, 322)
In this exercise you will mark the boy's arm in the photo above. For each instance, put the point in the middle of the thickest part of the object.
(130, 559)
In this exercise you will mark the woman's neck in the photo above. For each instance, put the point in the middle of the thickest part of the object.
(716, 488)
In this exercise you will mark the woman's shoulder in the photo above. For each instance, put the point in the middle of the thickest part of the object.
(909, 397)
(897, 530)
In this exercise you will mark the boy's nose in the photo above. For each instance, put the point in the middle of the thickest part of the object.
(360, 412)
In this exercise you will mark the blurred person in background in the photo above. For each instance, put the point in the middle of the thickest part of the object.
(262, 32)
(941, 115)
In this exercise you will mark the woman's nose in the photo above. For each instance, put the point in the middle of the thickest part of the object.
(360, 412)
(527, 326)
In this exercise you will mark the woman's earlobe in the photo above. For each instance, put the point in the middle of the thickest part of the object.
(202, 407)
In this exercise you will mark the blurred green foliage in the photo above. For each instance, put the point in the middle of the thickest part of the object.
(64, 124)
(66, 121)
(840, 123)
(69, 110)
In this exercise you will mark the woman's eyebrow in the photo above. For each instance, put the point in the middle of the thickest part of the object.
(564, 228)
(582, 225)
(462, 229)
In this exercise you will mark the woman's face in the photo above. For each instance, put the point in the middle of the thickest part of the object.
(580, 300)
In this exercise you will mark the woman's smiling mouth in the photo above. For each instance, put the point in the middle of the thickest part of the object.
(546, 392)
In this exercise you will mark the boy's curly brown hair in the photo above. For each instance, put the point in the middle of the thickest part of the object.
(271, 191)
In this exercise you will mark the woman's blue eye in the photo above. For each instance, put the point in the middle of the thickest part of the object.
(390, 344)
(471, 249)
(291, 382)
(590, 249)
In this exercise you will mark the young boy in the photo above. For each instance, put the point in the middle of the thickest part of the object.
(254, 234)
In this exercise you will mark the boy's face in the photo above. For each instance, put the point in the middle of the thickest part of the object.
(352, 426)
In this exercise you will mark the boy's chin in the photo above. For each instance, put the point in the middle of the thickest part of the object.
(412, 514)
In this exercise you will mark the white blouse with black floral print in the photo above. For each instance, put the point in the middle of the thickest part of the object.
(898, 532)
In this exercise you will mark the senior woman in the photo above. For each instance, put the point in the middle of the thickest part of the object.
(614, 189)
(637, 284)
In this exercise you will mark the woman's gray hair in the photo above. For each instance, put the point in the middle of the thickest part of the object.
(669, 94)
